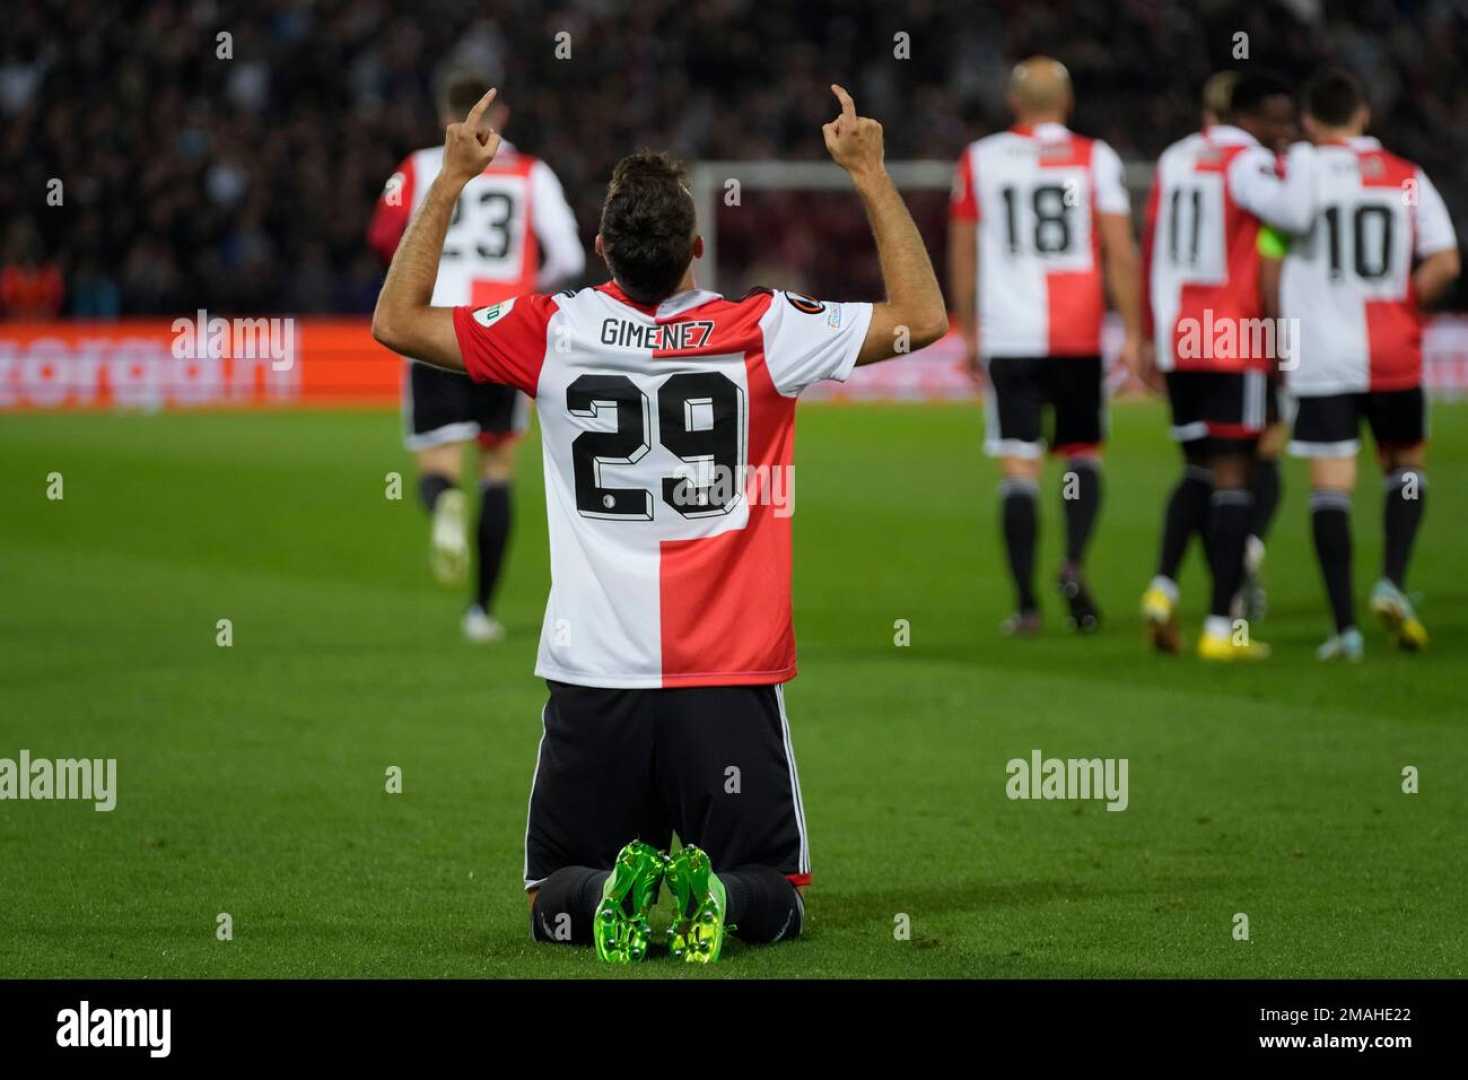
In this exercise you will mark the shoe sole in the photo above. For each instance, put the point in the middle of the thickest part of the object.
(621, 938)
(697, 938)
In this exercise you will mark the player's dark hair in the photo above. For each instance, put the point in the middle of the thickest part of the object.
(647, 225)
(458, 91)
(1252, 91)
(1334, 97)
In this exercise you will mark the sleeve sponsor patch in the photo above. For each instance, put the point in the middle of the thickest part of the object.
(805, 304)
(488, 316)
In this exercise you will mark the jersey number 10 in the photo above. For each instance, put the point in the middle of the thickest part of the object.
(1371, 261)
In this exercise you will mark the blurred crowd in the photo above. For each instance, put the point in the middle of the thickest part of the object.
(227, 155)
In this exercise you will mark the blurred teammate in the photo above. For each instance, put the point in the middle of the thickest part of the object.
(1381, 245)
(512, 232)
(666, 413)
(1266, 485)
(1039, 216)
(1201, 267)
(1187, 506)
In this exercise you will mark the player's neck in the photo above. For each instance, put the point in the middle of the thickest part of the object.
(1034, 120)
(1339, 135)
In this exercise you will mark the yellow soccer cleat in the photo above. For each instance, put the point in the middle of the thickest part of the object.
(1396, 614)
(1412, 635)
(1224, 649)
(1159, 611)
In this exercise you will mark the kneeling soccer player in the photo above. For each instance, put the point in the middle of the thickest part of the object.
(668, 415)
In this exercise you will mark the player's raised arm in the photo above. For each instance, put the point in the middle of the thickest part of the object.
(963, 264)
(914, 301)
(404, 319)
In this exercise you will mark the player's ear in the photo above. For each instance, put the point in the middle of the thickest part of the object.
(600, 254)
(499, 117)
(697, 246)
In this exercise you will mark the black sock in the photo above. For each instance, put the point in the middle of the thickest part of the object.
(1266, 488)
(1187, 513)
(494, 532)
(565, 905)
(1020, 528)
(1330, 519)
(431, 486)
(763, 906)
(1228, 522)
(1406, 499)
(1081, 501)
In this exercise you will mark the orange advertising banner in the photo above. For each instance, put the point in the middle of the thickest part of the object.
(198, 362)
(285, 362)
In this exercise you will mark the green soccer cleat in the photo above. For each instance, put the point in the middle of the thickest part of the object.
(699, 903)
(622, 929)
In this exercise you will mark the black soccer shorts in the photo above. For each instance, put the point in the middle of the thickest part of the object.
(1228, 410)
(1330, 426)
(442, 407)
(1021, 387)
(713, 764)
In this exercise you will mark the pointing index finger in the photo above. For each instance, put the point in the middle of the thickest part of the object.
(848, 107)
(477, 113)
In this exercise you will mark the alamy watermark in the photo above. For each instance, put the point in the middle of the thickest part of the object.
(702, 485)
(85, 779)
(1039, 777)
(146, 1029)
(217, 338)
(1226, 337)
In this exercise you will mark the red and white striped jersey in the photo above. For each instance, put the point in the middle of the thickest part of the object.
(667, 436)
(1349, 279)
(1200, 260)
(1034, 194)
(504, 218)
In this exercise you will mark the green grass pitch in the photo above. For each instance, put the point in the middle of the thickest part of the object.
(251, 778)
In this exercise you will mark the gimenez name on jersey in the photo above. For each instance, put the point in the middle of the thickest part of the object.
(626, 334)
